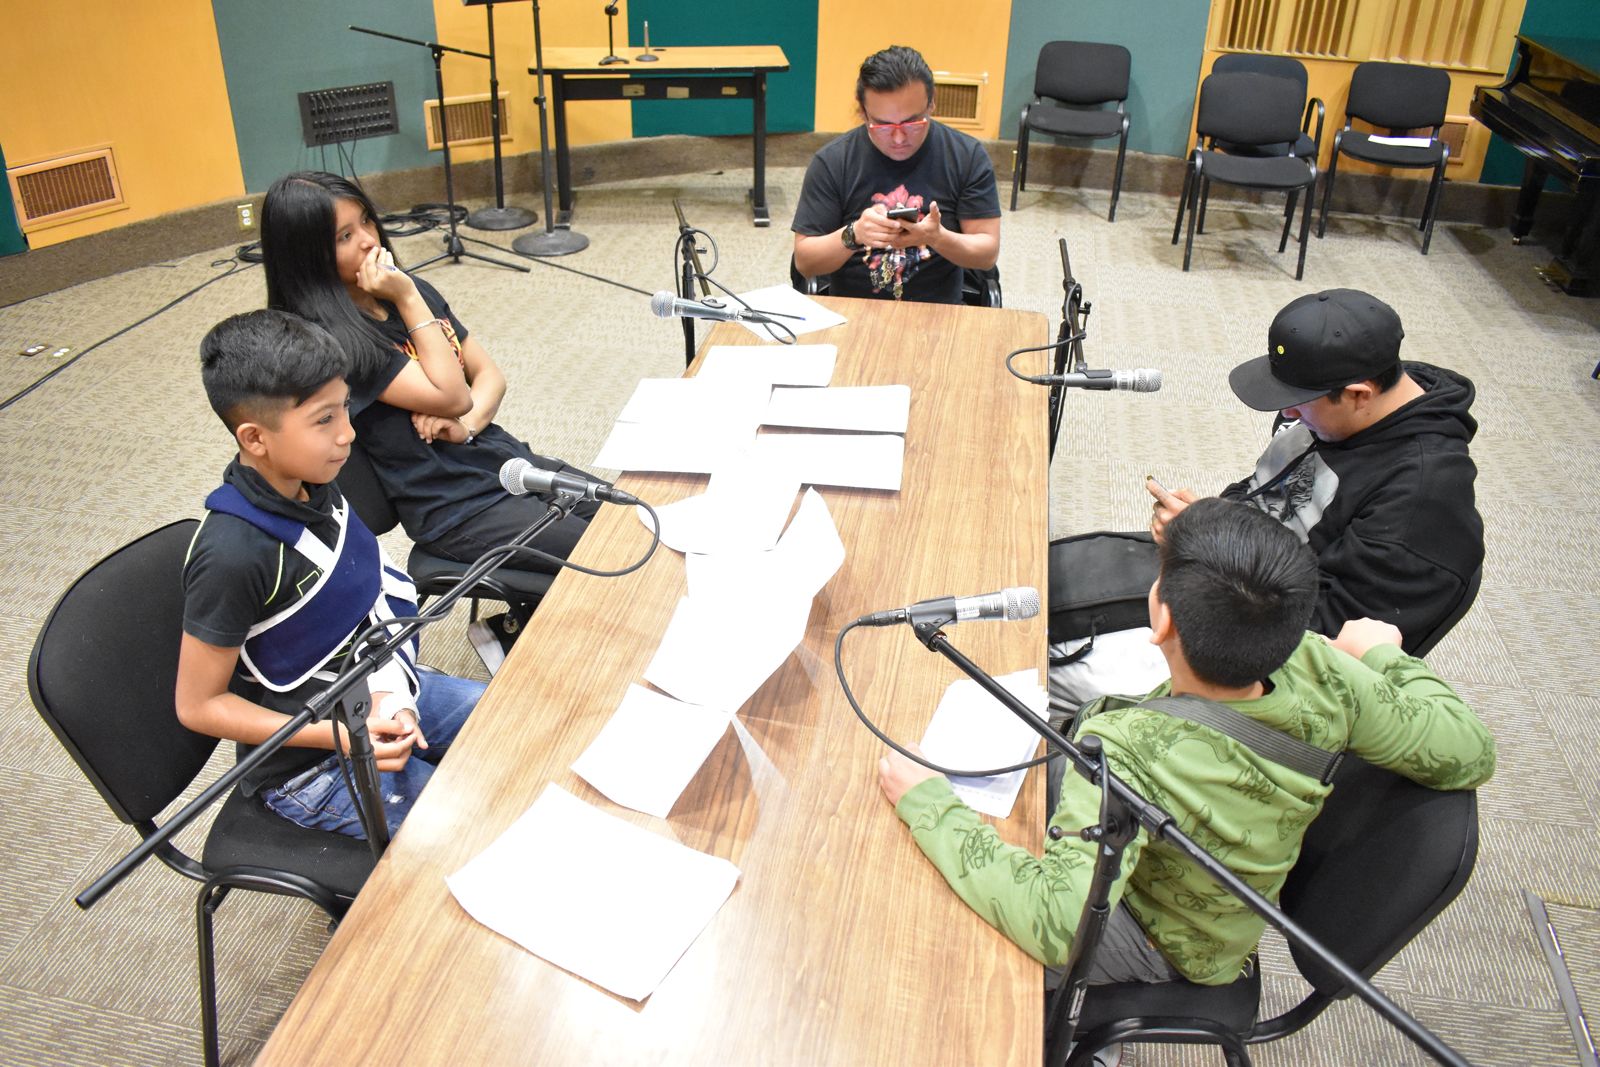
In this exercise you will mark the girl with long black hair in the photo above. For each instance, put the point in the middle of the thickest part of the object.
(423, 392)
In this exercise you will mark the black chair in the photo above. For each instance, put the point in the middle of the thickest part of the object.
(1246, 110)
(979, 288)
(1071, 86)
(1306, 146)
(434, 575)
(102, 675)
(1469, 594)
(1380, 862)
(1394, 97)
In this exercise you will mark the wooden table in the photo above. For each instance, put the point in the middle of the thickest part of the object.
(710, 73)
(841, 944)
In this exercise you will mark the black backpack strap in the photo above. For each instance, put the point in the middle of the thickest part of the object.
(1266, 741)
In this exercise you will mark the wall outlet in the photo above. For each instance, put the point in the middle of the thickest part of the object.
(247, 216)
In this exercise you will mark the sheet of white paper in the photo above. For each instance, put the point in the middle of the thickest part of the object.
(640, 446)
(861, 461)
(646, 754)
(866, 408)
(743, 509)
(972, 730)
(717, 654)
(696, 402)
(1402, 142)
(788, 365)
(566, 880)
(809, 553)
(789, 301)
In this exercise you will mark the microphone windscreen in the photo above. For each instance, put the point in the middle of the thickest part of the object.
(1022, 602)
(661, 304)
(511, 476)
(1146, 380)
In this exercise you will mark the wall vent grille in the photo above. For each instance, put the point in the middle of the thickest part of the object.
(958, 98)
(58, 190)
(470, 119)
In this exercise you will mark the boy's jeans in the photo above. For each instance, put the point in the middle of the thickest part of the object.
(316, 798)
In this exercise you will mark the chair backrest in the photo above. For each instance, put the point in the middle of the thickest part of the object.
(1083, 72)
(1469, 594)
(358, 481)
(1272, 66)
(1398, 96)
(104, 668)
(1250, 109)
(1384, 857)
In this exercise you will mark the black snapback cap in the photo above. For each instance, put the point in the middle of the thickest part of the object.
(1319, 343)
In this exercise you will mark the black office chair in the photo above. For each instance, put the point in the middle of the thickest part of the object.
(1307, 146)
(1071, 86)
(1248, 110)
(434, 575)
(1394, 97)
(1469, 594)
(979, 288)
(102, 675)
(1380, 862)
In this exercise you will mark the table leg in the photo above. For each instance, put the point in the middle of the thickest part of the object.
(558, 92)
(758, 192)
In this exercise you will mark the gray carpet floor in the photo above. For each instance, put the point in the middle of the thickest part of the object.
(123, 441)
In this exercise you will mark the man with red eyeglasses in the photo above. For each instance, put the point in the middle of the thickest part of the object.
(939, 179)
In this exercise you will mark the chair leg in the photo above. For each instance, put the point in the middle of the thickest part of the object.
(1305, 228)
(210, 899)
(1183, 200)
(1327, 188)
(1430, 210)
(1019, 173)
(1205, 198)
(1194, 209)
(1116, 182)
(1288, 215)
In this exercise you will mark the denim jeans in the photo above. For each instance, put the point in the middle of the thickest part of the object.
(317, 798)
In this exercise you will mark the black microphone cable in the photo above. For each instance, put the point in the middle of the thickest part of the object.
(838, 668)
(1034, 378)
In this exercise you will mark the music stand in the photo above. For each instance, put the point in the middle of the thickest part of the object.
(498, 217)
(453, 249)
(552, 242)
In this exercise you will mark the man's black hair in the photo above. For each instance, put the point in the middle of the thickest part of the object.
(1384, 381)
(258, 364)
(893, 68)
(1241, 588)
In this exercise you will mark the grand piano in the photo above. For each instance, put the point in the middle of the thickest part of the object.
(1549, 109)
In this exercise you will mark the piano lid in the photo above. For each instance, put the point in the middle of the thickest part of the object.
(1565, 72)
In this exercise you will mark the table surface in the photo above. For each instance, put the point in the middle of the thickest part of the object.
(840, 944)
(672, 58)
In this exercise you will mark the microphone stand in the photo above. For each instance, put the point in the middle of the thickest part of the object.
(1069, 339)
(369, 797)
(688, 252)
(453, 249)
(553, 241)
(611, 37)
(1122, 812)
(498, 217)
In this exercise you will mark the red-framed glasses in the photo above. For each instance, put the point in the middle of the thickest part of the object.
(908, 127)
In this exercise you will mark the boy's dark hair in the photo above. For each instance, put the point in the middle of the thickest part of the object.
(891, 69)
(1385, 381)
(257, 365)
(1241, 588)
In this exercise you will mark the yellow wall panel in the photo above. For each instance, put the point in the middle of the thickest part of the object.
(957, 36)
(560, 25)
(145, 78)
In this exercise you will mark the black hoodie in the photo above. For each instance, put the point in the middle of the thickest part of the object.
(1389, 511)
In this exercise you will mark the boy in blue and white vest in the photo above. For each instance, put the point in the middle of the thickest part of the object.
(282, 574)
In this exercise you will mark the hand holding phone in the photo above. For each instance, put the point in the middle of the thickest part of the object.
(904, 214)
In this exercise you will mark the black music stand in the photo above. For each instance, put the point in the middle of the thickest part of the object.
(552, 242)
(453, 249)
(498, 217)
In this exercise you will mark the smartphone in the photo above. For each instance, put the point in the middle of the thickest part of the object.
(904, 214)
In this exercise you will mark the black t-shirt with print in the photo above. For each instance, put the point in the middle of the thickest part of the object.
(849, 175)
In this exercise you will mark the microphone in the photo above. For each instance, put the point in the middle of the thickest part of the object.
(1018, 602)
(1143, 380)
(666, 306)
(519, 477)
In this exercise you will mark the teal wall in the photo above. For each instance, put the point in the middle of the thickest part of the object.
(791, 96)
(273, 51)
(1502, 165)
(11, 239)
(1167, 39)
